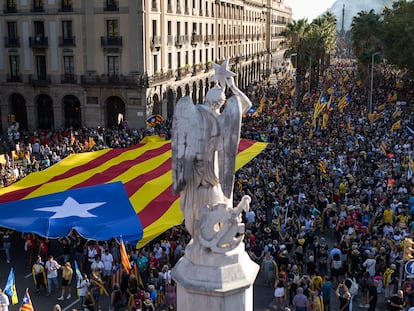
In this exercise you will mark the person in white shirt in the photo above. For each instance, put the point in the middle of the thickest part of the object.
(52, 267)
(97, 266)
(83, 287)
(369, 264)
(108, 261)
(4, 301)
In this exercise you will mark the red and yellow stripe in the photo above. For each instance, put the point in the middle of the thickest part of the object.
(145, 171)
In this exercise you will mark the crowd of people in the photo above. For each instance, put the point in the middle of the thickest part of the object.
(342, 175)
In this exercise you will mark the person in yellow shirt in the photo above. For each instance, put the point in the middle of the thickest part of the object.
(316, 281)
(67, 274)
(388, 215)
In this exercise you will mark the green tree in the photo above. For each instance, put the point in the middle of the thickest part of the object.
(398, 35)
(366, 37)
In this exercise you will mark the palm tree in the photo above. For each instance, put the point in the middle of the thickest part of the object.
(366, 29)
(295, 35)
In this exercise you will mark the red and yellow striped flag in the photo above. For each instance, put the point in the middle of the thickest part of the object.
(124, 257)
(383, 148)
(322, 166)
(144, 170)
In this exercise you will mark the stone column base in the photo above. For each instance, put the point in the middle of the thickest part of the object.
(208, 287)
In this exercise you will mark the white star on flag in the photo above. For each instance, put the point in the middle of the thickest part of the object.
(71, 208)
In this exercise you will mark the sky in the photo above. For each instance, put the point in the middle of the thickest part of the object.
(308, 9)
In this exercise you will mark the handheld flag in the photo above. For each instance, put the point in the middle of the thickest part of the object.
(78, 275)
(10, 288)
(396, 126)
(154, 120)
(27, 302)
(124, 258)
(96, 279)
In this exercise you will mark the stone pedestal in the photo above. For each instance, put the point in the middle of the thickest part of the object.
(209, 281)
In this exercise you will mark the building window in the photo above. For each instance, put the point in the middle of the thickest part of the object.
(12, 31)
(68, 66)
(113, 65)
(14, 66)
(169, 60)
(155, 63)
(111, 5)
(11, 6)
(66, 5)
(67, 30)
(112, 28)
(38, 5)
(39, 29)
(41, 67)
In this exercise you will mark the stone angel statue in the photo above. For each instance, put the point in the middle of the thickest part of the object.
(205, 139)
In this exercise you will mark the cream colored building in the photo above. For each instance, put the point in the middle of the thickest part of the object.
(95, 62)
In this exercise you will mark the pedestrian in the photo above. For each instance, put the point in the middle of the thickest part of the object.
(88, 303)
(39, 275)
(57, 307)
(67, 274)
(4, 301)
(300, 301)
(373, 296)
(279, 292)
(344, 297)
(7, 243)
(52, 267)
(107, 260)
(396, 302)
(326, 293)
(29, 247)
(116, 302)
(83, 287)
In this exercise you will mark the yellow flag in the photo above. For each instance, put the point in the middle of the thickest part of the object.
(396, 126)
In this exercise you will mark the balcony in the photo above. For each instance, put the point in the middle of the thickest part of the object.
(66, 8)
(169, 8)
(187, 11)
(195, 39)
(161, 77)
(111, 6)
(198, 68)
(68, 78)
(170, 40)
(14, 78)
(112, 79)
(179, 41)
(69, 41)
(155, 43)
(11, 42)
(183, 72)
(10, 9)
(39, 81)
(111, 42)
(178, 9)
(38, 8)
(38, 42)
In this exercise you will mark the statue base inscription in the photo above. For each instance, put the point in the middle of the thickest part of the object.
(222, 282)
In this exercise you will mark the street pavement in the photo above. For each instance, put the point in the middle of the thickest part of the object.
(263, 295)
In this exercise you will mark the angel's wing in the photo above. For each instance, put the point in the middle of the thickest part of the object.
(230, 120)
(187, 142)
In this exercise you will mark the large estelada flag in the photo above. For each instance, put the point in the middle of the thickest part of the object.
(108, 193)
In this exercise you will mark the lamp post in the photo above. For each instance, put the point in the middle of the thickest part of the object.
(310, 73)
(372, 81)
(296, 78)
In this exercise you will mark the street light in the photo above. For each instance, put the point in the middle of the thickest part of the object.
(296, 78)
(372, 80)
